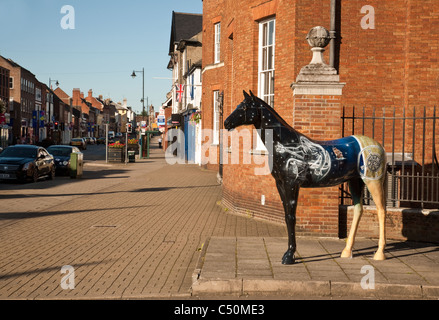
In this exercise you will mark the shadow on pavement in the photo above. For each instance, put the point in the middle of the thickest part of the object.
(48, 269)
(394, 251)
(28, 215)
(142, 190)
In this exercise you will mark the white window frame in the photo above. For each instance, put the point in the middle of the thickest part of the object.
(217, 40)
(266, 67)
(216, 117)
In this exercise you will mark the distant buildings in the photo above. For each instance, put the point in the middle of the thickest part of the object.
(32, 112)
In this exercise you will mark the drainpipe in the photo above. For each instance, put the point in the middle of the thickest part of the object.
(332, 33)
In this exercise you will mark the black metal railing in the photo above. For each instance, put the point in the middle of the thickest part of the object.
(409, 137)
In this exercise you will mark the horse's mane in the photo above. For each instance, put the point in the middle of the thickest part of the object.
(274, 112)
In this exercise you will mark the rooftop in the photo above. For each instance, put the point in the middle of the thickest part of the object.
(184, 27)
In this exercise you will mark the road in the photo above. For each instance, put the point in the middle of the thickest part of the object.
(45, 193)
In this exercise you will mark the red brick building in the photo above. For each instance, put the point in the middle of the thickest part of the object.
(22, 94)
(4, 85)
(385, 54)
(4, 106)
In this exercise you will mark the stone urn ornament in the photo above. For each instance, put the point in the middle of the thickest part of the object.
(317, 70)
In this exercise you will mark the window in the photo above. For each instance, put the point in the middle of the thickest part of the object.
(217, 49)
(266, 67)
(216, 117)
(11, 83)
(266, 60)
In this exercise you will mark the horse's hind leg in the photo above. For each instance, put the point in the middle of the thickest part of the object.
(376, 189)
(356, 188)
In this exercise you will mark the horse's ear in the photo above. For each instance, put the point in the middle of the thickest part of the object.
(253, 97)
(246, 95)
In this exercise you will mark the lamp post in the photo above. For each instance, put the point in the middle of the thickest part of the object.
(50, 104)
(50, 83)
(133, 75)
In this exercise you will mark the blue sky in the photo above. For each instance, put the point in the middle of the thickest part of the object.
(110, 40)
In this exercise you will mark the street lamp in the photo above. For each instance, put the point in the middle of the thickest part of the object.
(50, 83)
(133, 75)
(50, 115)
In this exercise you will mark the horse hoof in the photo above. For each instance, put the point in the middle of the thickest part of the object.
(288, 258)
(346, 254)
(379, 256)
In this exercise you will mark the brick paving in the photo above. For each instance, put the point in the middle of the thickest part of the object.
(153, 230)
(129, 231)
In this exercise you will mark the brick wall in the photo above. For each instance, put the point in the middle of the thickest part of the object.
(394, 64)
(4, 86)
(318, 117)
(401, 224)
(77, 97)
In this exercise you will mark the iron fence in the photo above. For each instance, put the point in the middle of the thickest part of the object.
(409, 137)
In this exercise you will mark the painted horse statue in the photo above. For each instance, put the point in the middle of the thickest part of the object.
(300, 162)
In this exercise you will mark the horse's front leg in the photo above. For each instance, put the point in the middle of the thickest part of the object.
(291, 197)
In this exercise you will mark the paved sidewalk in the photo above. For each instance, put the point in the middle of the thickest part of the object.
(152, 230)
(252, 266)
(129, 231)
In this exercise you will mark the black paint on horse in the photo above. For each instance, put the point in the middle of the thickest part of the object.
(300, 162)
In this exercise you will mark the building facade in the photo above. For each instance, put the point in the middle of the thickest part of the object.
(4, 106)
(67, 120)
(22, 85)
(383, 53)
(185, 51)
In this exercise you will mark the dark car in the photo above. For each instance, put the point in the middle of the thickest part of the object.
(23, 162)
(61, 154)
(101, 140)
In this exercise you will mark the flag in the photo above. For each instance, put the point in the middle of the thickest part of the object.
(180, 91)
(192, 88)
(42, 118)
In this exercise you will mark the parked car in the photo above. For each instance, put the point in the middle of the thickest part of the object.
(62, 154)
(92, 140)
(23, 162)
(101, 140)
(79, 142)
(1, 149)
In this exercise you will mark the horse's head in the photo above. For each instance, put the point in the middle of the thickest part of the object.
(246, 113)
